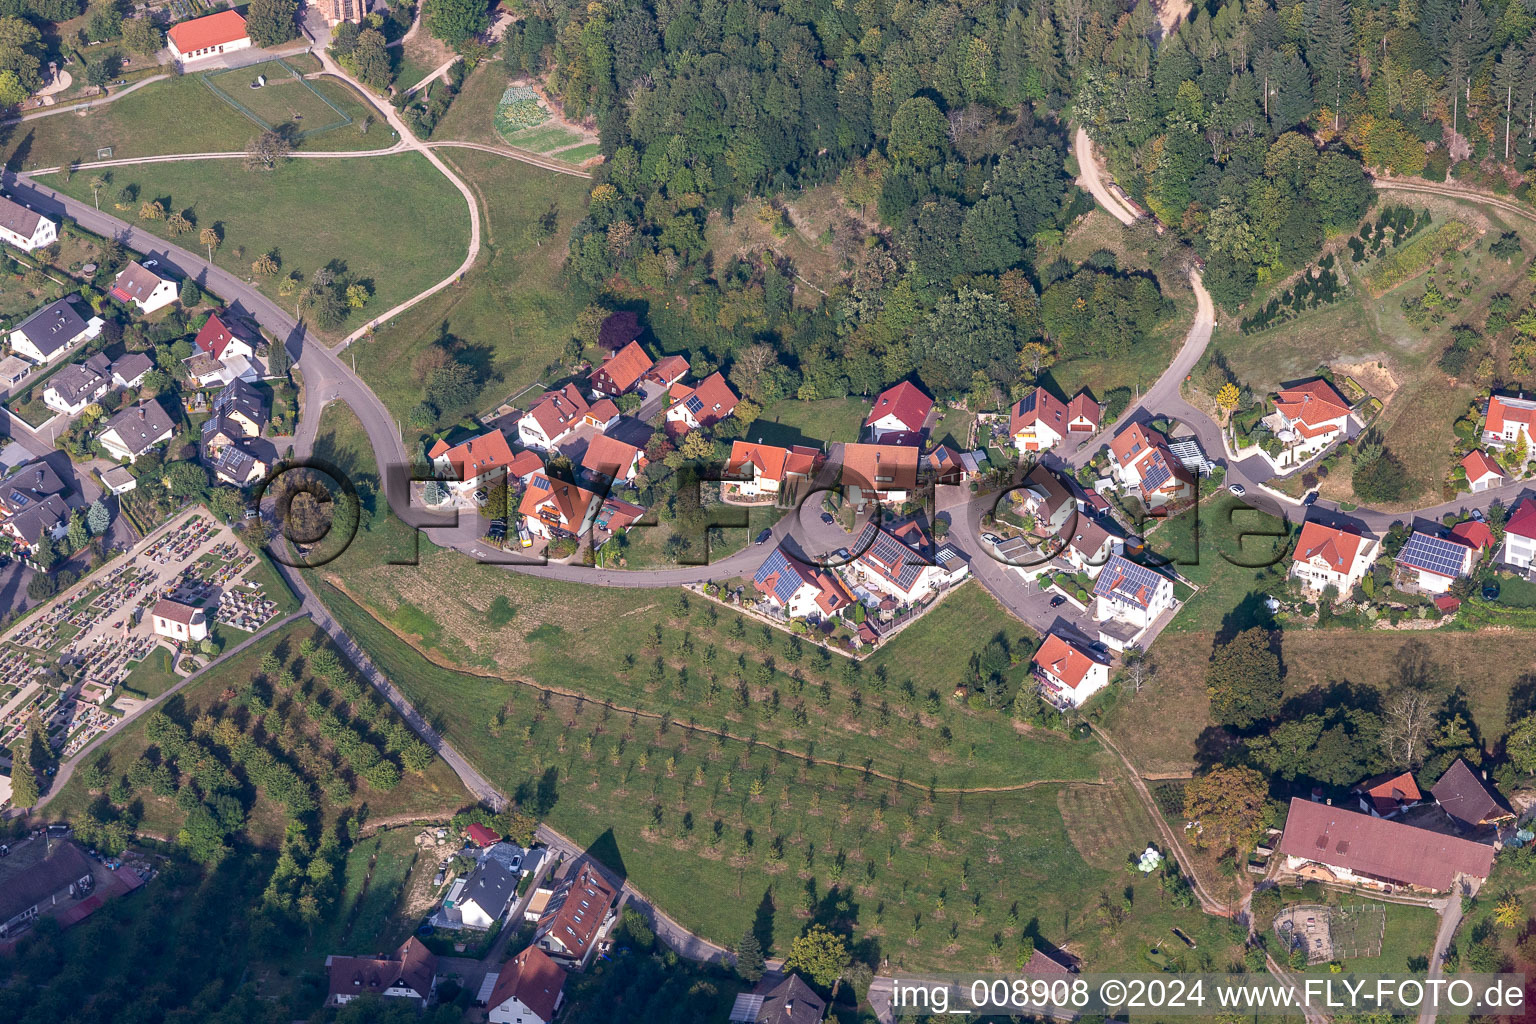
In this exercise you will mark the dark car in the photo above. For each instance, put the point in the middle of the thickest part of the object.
(828, 518)
(1058, 601)
(764, 535)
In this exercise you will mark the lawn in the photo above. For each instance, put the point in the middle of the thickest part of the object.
(399, 248)
(179, 115)
(1233, 553)
(367, 916)
(514, 309)
(792, 421)
(472, 117)
(152, 676)
(285, 99)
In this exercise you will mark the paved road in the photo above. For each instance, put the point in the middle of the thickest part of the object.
(1450, 919)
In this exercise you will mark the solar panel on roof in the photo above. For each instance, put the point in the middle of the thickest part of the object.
(789, 579)
(1126, 580)
(1157, 475)
(693, 404)
(1434, 554)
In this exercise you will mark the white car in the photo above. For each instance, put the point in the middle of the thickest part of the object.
(1238, 489)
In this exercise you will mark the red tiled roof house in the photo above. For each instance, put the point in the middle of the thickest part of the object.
(553, 417)
(1339, 845)
(475, 463)
(529, 990)
(756, 469)
(702, 406)
(1308, 418)
(621, 371)
(1329, 557)
(1067, 673)
(898, 415)
(1509, 418)
(1482, 472)
(1519, 550)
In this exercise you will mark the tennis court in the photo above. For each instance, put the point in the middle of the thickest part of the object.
(273, 94)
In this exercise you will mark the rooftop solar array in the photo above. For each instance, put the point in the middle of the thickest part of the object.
(1124, 580)
(1434, 554)
(1157, 473)
(789, 578)
(694, 404)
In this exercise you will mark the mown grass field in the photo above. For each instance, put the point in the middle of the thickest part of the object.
(647, 766)
(792, 421)
(152, 676)
(513, 309)
(400, 247)
(178, 115)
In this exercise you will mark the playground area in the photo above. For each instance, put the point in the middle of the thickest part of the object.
(1333, 933)
(274, 95)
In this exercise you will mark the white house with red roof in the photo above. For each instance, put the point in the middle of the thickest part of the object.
(798, 590)
(212, 36)
(1429, 564)
(475, 463)
(609, 457)
(551, 507)
(899, 415)
(755, 469)
(554, 417)
(1308, 417)
(221, 338)
(1067, 673)
(142, 287)
(1386, 796)
(1038, 421)
(1084, 415)
(1131, 593)
(621, 371)
(1143, 461)
(1519, 550)
(668, 370)
(702, 406)
(1326, 556)
(1509, 418)
(893, 562)
(1475, 534)
(530, 989)
(1482, 472)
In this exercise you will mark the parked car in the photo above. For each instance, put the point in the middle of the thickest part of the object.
(523, 536)
(991, 538)
(1238, 489)
(480, 497)
(828, 518)
(762, 537)
(1058, 601)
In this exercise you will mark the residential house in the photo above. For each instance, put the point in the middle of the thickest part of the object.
(49, 517)
(1087, 545)
(1482, 472)
(482, 835)
(411, 973)
(118, 480)
(1309, 417)
(136, 429)
(1429, 564)
(241, 464)
(1509, 419)
(1083, 414)
(798, 590)
(137, 284)
(1387, 796)
(177, 621)
(899, 414)
(129, 371)
(225, 336)
(52, 331)
(879, 472)
(1142, 460)
(62, 876)
(1045, 498)
(1338, 845)
(1475, 534)
(24, 227)
(948, 466)
(525, 465)
(621, 371)
(1326, 556)
(551, 507)
(32, 505)
(893, 562)
(489, 891)
(613, 459)
(1468, 800)
(667, 371)
(1038, 421)
(1131, 593)
(553, 418)
(700, 407)
(755, 469)
(78, 385)
(529, 989)
(209, 36)
(474, 464)
(241, 406)
(1068, 674)
(1520, 537)
(577, 915)
(790, 1001)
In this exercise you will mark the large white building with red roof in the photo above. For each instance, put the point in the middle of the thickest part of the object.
(530, 989)
(212, 36)
(898, 415)
(1309, 417)
(609, 457)
(1040, 421)
(1067, 673)
(556, 415)
(1142, 460)
(552, 507)
(798, 590)
(1326, 556)
(475, 463)
(1509, 419)
(756, 469)
(1519, 550)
